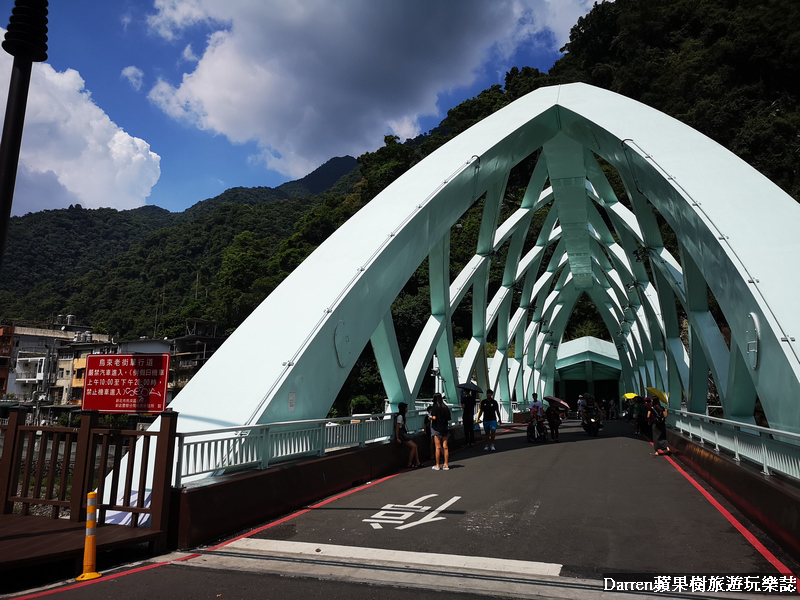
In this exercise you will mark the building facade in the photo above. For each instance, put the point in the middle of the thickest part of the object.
(45, 368)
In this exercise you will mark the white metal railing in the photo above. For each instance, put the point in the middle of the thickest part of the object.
(259, 446)
(774, 450)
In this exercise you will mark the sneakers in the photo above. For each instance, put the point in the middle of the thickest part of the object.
(487, 447)
(493, 448)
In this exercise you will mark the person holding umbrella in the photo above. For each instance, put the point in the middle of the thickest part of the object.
(553, 413)
(657, 417)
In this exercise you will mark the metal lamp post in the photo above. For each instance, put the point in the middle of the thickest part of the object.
(26, 41)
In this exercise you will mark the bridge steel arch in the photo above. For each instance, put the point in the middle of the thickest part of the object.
(733, 226)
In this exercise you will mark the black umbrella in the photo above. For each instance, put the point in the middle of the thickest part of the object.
(470, 386)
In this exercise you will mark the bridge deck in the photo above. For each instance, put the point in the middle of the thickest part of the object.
(593, 505)
(521, 522)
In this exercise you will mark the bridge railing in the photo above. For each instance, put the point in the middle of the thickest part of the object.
(259, 446)
(773, 450)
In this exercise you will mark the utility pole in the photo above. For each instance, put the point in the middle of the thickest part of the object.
(26, 41)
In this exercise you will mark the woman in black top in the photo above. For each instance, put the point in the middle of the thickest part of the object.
(656, 416)
(440, 417)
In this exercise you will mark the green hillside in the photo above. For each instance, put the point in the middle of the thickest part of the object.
(145, 271)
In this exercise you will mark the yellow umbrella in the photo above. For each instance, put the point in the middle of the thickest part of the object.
(629, 395)
(658, 394)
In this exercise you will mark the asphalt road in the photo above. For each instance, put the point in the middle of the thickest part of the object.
(526, 521)
(593, 505)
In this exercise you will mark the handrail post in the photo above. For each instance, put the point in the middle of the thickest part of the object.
(83, 454)
(179, 460)
(162, 474)
(323, 439)
(765, 468)
(8, 482)
(266, 453)
(362, 433)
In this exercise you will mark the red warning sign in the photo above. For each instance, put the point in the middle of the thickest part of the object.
(126, 383)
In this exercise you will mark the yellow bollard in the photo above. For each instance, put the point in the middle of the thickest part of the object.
(90, 547)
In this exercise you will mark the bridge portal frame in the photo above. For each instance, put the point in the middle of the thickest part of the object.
(299, 345)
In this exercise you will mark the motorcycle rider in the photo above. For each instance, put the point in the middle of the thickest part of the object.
(591, 408)
(537, 417)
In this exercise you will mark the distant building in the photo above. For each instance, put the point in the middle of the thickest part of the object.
(6, 339)
(33, 360)
(46, 367)
(191, 351)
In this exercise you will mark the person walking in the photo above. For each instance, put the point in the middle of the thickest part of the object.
(639, 415)
(402, 437)
(468, 417)
(657, 417)
(553, 420)
(440, 418)
(491, 418)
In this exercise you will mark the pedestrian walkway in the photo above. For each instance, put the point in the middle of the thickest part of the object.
(526, 521)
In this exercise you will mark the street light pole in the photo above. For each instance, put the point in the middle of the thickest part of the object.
(26, 41)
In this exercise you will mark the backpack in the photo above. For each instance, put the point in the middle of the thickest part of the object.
(657, 416)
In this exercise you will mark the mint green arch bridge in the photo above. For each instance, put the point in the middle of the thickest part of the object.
(734, 231)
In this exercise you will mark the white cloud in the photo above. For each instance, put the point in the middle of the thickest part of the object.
(73, 153)
(174, 15)
(135, 77)
(188, 54)
(311, 79)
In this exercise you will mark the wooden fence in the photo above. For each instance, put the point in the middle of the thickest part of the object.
(48, 471)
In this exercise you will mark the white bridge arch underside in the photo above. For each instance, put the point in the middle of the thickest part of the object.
(289, 359)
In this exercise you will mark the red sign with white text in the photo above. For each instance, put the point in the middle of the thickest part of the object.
(126, 383)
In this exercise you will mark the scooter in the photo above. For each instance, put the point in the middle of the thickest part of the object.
(591, 423)
(537, 431)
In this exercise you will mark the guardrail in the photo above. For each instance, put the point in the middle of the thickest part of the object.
(260, 446)
(750, 442)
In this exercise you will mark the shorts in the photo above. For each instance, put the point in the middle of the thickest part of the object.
(489, 426)
(439, 434)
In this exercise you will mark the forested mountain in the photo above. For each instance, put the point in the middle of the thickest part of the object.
(54, 245)
(728, 68)
(316, 182)
(104, 265)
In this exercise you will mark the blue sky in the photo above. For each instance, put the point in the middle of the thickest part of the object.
(169, 102)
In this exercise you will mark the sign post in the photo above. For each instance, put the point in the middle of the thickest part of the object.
(126, 383)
